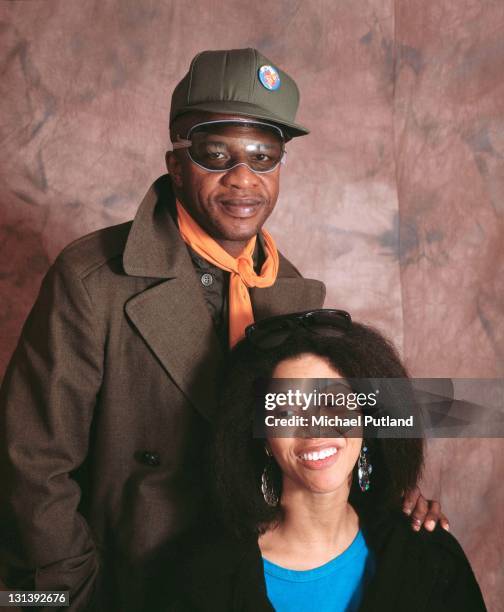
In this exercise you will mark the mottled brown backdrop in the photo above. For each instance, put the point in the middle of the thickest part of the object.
(395, 200)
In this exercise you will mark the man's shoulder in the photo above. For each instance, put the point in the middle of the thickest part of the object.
(287, 268)
(92, 251)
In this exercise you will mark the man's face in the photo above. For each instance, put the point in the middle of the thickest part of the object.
(230, 205)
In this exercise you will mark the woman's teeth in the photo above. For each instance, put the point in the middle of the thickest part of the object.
(317, 455)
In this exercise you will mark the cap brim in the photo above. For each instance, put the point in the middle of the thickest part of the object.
(244, 109)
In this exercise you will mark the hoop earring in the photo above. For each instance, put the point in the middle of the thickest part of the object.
(364, 469)
(267, 486)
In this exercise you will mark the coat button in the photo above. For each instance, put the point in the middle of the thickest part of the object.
(206, 279)
(150, 458)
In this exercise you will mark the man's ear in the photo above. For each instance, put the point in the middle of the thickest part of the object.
(174, 168)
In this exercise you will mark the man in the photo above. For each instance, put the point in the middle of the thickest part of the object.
(106, 402)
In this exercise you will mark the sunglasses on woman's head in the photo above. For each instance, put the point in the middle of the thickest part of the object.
(273, 332)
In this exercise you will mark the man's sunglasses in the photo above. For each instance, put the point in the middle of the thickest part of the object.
(273, 332)
(220, 146)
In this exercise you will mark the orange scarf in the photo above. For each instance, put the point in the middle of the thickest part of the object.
(241, 269)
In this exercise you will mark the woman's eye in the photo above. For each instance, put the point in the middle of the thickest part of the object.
(216, 155)
(261, 157)
(286, 413)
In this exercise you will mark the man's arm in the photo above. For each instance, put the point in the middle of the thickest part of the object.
(46, 407)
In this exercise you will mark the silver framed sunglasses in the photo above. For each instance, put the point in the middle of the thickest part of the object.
(217, 146)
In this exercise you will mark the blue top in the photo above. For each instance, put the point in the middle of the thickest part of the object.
(336, 586)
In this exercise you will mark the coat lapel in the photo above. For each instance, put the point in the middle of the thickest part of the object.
(172, 316)
(175, 322)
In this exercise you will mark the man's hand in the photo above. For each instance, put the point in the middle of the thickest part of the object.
(426, 512)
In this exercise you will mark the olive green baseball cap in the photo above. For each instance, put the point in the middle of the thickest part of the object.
(239, 82)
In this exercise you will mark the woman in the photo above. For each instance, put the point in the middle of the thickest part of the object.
(315, 523)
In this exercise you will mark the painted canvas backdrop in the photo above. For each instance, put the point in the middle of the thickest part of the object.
(395, 200)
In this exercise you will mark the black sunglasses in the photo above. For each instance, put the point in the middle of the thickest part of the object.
(273, 332)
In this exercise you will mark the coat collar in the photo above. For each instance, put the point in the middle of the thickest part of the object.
(154, 248)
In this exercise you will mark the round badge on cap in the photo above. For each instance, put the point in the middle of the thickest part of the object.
(269, 77)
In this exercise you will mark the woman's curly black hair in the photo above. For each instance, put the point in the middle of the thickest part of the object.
(238, 459)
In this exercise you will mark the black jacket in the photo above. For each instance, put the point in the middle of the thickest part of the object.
(415, 572)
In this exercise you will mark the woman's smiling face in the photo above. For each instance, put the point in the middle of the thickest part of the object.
(320, 465)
